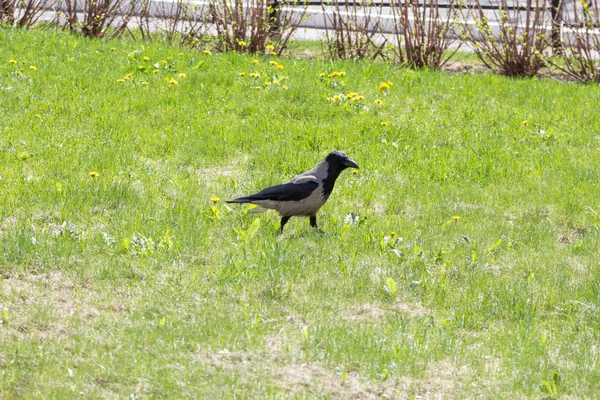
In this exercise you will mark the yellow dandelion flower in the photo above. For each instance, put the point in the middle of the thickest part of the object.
(383, 87)
(255, 61)
(242, 74)
(358, 98)
(393, 234)
(215, 199)
(164, 62)
(334, 74)
(172, 81)
(113, 49)
(39, 116)
(146, 58)
(129, 75)
(385, 123)
(33, 67)
(241, 43)
(525, 123)
(23, 155)
(354, 171)
(23, 62)
(390, 84)
(141, 67)
(13, 62)
(155, 71)
(276, 82)
(322, 75)
(351, 95)
(19, 73)
(284, 87)
(342, 74)
(337, 97)
(255, 75)
(279, 66)
(270, 47)
(93, 174)
(267, 84)
(273, 63)
(120, 80)
(456, 218)
(207, 52)
(257, 87)
(182, 75)
(378, 102)
(145, 83)
(273, 53)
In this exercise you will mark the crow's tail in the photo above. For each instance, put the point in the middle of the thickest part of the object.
(247, 199)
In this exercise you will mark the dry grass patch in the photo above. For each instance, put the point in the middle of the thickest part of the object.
(214, 174)
(320, 382)
(465, 67)
(376, 312)
(297, 379)
(443, 379)
(39, 306)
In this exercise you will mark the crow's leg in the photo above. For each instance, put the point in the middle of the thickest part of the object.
(284, 221)
(313, 221)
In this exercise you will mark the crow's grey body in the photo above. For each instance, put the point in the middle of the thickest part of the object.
(304, 194)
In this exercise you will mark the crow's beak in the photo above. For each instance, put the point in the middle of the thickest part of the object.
(350, 164)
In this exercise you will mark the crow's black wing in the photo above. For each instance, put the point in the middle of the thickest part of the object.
(284, 192)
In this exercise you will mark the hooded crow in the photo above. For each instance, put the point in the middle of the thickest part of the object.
(304, 194)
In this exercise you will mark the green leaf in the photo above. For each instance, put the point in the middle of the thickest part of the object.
(215, 212)
(556, 379)
(344, 231)
(343, 268)
(494, 246)
(391, 286)
(253, 228)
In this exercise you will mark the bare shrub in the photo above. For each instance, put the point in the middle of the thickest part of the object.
(23, 13)
(96, 18)
(580, 55)
(354, 30)
(178, 22)
(251, 26)
(422, 33)
(515, 46)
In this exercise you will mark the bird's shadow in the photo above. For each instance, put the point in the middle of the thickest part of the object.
(303, 233)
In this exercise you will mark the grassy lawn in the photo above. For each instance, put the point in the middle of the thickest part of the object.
(460, 261)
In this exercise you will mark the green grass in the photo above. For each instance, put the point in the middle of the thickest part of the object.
(129, 284)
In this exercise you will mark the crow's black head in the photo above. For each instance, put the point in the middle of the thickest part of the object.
(338, 160)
